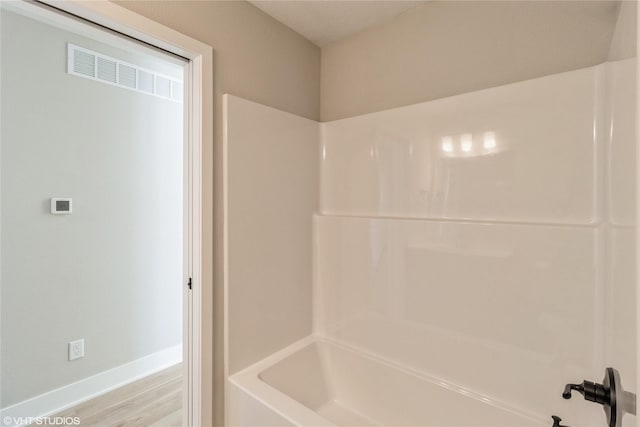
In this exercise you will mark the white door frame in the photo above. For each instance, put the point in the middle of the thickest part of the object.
(198, 208)
(637, 205)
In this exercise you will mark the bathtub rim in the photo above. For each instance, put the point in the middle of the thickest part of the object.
(249, 380)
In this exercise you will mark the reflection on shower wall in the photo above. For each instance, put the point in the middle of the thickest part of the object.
(485, 239)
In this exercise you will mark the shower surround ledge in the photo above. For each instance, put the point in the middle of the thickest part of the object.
(477, 243)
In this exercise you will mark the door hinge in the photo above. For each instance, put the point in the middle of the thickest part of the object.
(189, 284)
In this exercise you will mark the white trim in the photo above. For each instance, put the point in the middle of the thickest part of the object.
(225, 247)
(194, 298)
(198, 124)
(72, 394)
(637, 207)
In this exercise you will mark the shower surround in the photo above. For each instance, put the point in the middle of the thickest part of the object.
(472, 255)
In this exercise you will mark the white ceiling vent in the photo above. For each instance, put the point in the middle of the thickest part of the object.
(85, 63)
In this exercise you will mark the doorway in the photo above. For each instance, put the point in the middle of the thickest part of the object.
(97, 214)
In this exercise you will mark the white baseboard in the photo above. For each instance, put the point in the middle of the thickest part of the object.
(72, 394)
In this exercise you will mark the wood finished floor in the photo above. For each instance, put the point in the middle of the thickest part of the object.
(153, 401)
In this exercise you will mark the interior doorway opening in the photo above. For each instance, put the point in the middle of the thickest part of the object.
(105, 67)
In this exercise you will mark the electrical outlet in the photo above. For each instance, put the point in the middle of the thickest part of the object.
(76, 349)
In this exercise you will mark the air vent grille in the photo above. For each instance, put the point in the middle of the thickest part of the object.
(163, 86)
(96, 66)
(145, 81)
(127, 76)
(106, 70)
(84, 64)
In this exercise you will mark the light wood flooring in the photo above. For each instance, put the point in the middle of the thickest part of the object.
(153, 401)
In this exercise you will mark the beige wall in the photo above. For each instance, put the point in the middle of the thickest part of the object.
(257, 58)
(448, 48)
(623, 42)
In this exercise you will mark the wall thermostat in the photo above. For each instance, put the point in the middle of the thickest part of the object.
(60, 206)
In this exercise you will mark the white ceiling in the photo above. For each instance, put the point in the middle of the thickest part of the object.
(325, 21)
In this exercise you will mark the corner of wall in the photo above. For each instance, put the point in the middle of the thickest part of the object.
(624, 39)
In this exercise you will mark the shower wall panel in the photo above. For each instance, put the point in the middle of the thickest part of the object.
(271, 181)
(487, 239)
(523, 152)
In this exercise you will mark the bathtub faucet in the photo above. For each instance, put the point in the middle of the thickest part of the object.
(609, 394)
(591, 391)
(556, 421)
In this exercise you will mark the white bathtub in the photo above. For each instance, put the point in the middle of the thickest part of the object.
(319, 383)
